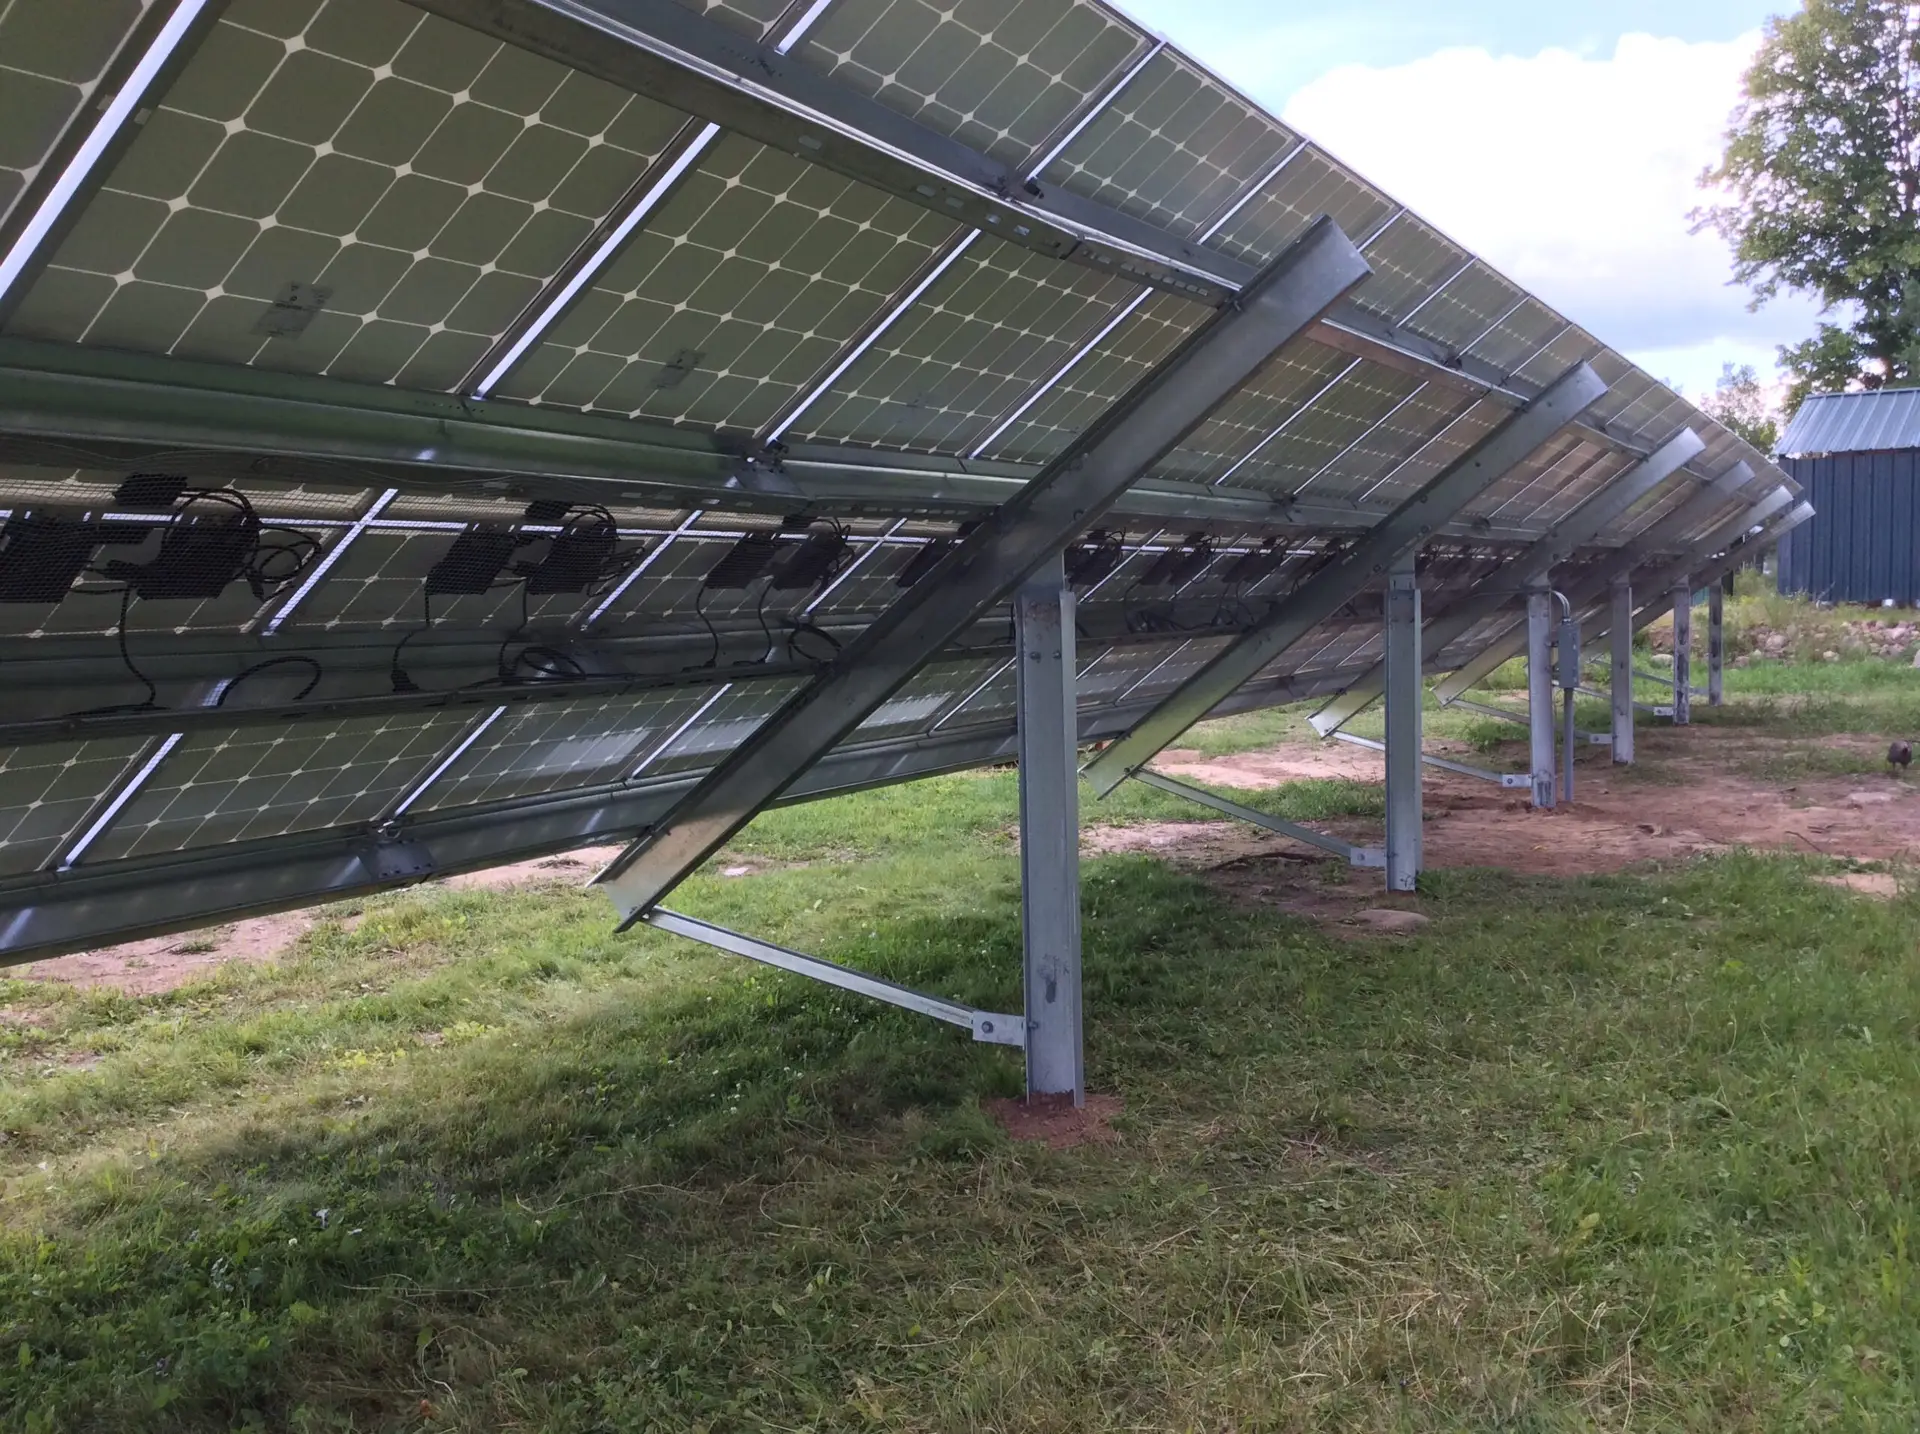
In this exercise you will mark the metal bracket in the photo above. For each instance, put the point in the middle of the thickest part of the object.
(387, 860)
(989, 1027)
(1370, 856)
(1509, 780)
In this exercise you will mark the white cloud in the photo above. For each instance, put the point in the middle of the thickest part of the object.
(1574, 174)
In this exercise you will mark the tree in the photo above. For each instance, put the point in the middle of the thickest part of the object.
(1739, 404)
(1822, 167)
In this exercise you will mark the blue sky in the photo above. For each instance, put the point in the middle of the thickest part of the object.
(1560, 139)
(1307, 38)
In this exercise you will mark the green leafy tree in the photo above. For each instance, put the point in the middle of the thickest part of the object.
(1822, 175)
(1741, 406)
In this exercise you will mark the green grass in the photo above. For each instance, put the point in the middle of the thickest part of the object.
(1628, 1153)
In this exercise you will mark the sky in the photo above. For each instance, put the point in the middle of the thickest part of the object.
(1558, 139)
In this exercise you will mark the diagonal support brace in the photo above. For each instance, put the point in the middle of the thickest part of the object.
(987, 1026)
(1049, 512)
(1323, 594)
(1579, 527)
(1354, 855)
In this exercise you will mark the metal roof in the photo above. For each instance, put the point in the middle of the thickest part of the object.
(538, 344)
(1881, 422)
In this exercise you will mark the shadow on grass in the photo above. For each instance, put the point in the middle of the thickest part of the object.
(749, 1202)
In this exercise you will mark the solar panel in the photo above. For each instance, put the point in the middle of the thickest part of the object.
(643, 401)
(54, 54)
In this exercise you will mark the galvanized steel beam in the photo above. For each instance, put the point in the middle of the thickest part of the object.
(1406, 693)
(1578, 528)
(1339, 582)
(54, 912)
(1069, 495)
(1049, 834)
(1511, 642)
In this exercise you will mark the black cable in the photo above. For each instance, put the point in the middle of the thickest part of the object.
(700, 611)
(401, 681)
(270, 663)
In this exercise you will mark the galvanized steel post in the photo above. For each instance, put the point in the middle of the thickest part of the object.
(1049, 833)
(1405, 691)
(1683, 652)
(1622, 686)
(1716, 644)
(1540, 695)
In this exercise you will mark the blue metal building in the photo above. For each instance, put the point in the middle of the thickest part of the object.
(1857, 455)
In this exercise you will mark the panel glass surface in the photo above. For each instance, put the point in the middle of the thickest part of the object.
(1098, 380)
(726, 719)
(999, 75)
(1410, 261)
(1311, 185)
(550, 747)
(1470, 305)
(1316, 437)
(350, 187)
(1175, 146)
(53, 54)
(247, 784)
(1250, 418)
(47, 792)
(1376, 455)
(999, 322)
(735, 297)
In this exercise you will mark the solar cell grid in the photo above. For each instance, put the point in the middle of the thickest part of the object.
(1352, 408)
(48, 791)
(1469, 305)
(1092, 385)
(1175, 146)
(546, 748)
(736, 295)
(249, 784)
(349, 187)
(53, 56)
(998, 322)
(1278, 393)
(1311, 184)
(999, 75)
(1411, 261)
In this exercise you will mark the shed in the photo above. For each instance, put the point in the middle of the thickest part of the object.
(1857, 456)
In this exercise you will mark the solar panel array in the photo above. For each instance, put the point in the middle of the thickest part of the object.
(413, 658)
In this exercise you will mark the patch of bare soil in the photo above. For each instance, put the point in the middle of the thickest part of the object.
(1880, 885)
(1054, 1121)
(163, 963)
(1705, 798)
(1269, 768)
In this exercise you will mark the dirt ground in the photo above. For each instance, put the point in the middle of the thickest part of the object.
(1700, 789)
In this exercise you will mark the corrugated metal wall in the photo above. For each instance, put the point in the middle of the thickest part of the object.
(1862, 545)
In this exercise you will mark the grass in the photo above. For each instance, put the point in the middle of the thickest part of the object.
(1636, 1152)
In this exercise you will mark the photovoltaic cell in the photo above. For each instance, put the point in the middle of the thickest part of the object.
(248, 784)
(1092, 385)
(1377, 452)
(1410, 261)
(351, 187)
(735, 715)
(1312, 184)
(1466, 308)
(46, 793)
(1519, 336)
(53, 54)
(1272, 397)
(1348, 411)
(999, 75)
(998, 322)
(735, 296)
(546, 748)
(1175, 147)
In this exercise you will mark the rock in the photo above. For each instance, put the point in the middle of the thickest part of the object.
(1382, 918)
(1829, 656)
(1663, 659)
(1869, 799)
(1916, 659)
(1776, 642)
(1743, 661)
